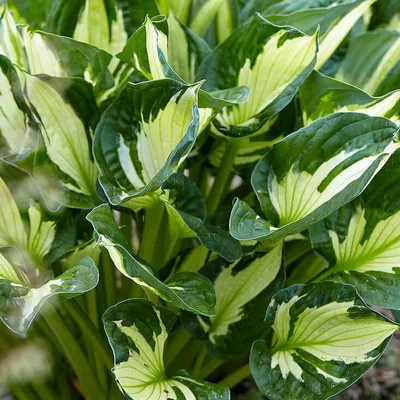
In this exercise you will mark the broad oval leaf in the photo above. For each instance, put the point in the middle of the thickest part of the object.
(137, 332)
(312, 173)
(323, 338)
(242, 289)
(20, 303)
(335, 20)
(144, 137)
(321, 95)
(186, 290)
(361, 240)
(67, 136)
(372, 62)
(244, 59)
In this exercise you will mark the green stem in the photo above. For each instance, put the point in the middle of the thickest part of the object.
(109, 278)
(44, 391)
(209, 368)
(224, 171)
(126, 223)
(236, 377)
(199, 361)
(90, 331)
(151, 229)
(74, 354)
(176, 343)
(22, 393)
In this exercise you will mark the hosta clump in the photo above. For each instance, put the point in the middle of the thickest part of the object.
(194, 194)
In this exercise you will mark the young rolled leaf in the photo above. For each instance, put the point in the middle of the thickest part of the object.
(20, 303)
(312, 173)
(186, 290)
(66, 168)
(137, 332)
(321, 95)
(242, 289)
(244, 59)
(323, 339)
(144, 137)
(335, 20)
(361, 240)
(148, 52)
(372, 62)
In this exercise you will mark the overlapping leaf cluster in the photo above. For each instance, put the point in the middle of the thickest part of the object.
(218, 179)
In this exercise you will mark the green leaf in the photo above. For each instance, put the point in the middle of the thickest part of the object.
(372, 62)
(132, 158)
(66, 168)
(19, 304)
(361, 240)
(242, 289)
(237, 62)
(335, 20)
(34, 13)
(321, 95)
(186, 290)
(186, 209)
(323, 339)
(137, 332)
(312, 173)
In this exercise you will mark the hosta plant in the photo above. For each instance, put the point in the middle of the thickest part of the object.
(197, 193)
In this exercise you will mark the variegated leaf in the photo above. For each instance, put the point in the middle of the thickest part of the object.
(137, 332)
(312, 173)
(335, 20)
(323, 339)
(372, 62)
(242, 289)
(20, 303)
(148, 50)
(66, 168)
(321, 95)
(12, 230)
(361, 240)
(17, 126)
(132, 158)
(186, 290)
(244, 59)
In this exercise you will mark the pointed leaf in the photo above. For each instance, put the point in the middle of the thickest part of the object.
(242, 289)
(189, 291)
(321, 95)
(323, 338)
(137, 332)
(128, 149)
(361, 241)
(252, 47)
(372, 62)
(67, 137)
(312, 173)
(335, 20)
